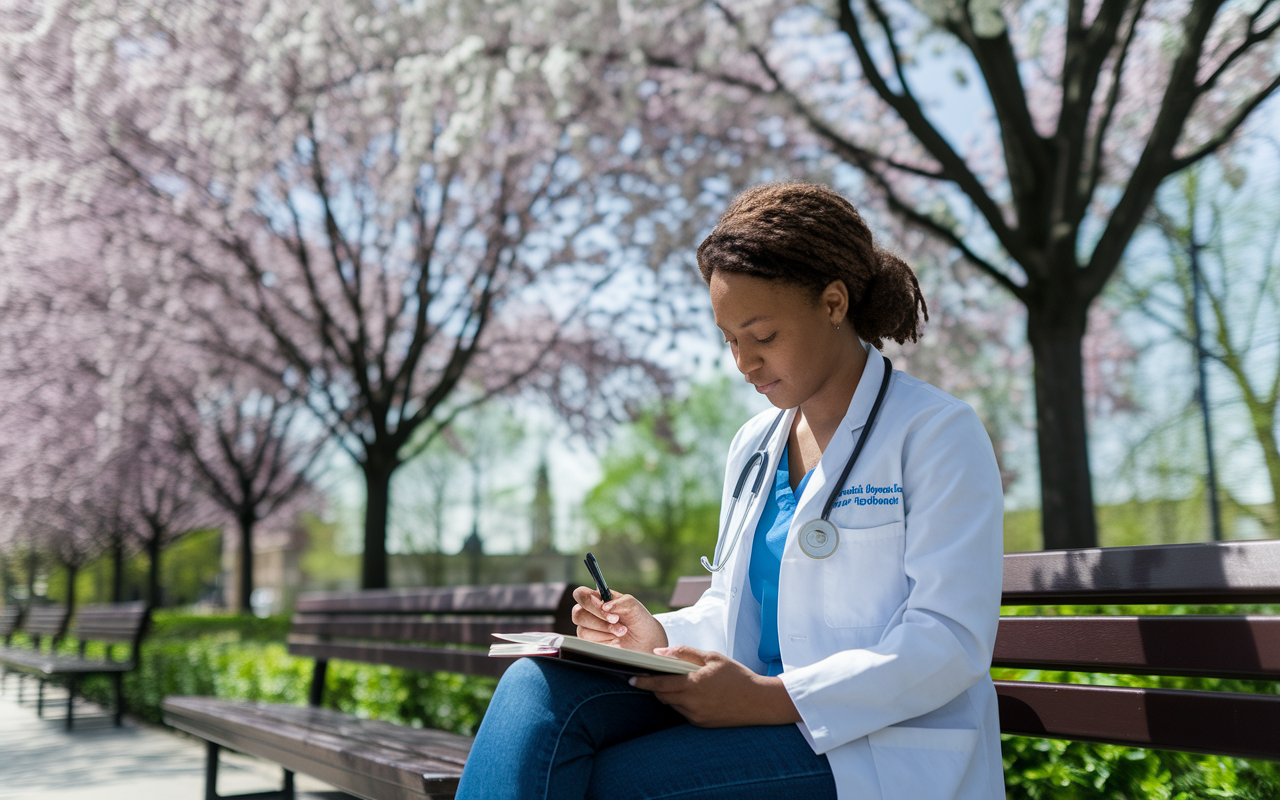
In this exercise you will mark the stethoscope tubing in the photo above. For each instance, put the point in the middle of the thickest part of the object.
(862, 439)
(759, 460)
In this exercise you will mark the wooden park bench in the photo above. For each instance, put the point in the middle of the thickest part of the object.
(377, 760)
(421, 629)
(113, 624)
(10, 622)
(42, 625)
(1202, 646)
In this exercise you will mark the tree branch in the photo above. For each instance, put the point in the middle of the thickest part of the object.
(1154, 163)
(1085, 193)
(1228, 129)
(953, 167)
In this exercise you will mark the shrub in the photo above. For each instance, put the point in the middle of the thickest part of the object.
(235, 660)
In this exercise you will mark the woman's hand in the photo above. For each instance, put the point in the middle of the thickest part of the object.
(623, 621)
(722, 694)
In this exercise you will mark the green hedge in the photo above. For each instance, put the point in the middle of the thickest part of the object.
(173, 625)
(234, 658)
(1055, 769)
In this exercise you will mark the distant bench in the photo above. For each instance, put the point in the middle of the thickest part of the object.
(1203, 646)
(421, 629)
(113, 623)
(41, 624)
(10, 620)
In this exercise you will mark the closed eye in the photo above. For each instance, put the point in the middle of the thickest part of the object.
(769, 338)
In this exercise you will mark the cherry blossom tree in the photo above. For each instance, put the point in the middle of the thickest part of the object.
(252, 453)
(366, 203)
(1088, 108)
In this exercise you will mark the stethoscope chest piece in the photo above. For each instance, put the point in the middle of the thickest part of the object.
(819, 538)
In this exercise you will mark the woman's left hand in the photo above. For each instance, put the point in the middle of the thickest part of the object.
(723, 693)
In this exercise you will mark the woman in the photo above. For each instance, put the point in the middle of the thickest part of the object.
(845, 666)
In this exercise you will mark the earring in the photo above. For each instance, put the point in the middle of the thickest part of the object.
(837, 327)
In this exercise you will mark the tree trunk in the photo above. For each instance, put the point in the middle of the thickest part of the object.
(153, 570)
(72, 573)
(33, 561)
(243, 605)
(1056, 335)
(373, 567)
(117, 570)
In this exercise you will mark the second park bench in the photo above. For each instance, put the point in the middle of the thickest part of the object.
(420, 629)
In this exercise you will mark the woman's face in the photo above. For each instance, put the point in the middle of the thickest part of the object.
(784, 343)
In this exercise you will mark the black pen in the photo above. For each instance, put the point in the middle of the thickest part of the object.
(594, 569)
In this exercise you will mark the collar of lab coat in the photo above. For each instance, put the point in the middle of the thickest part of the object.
(809, 505)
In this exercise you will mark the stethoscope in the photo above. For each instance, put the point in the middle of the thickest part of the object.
(818, 537)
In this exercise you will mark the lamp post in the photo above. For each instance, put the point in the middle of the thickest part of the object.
(1215, 513)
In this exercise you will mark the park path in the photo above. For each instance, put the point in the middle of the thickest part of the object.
(39, 760)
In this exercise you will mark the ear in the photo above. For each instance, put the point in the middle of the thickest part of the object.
(835, 301)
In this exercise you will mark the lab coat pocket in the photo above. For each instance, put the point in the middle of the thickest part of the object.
(921, 763)
(864, 581)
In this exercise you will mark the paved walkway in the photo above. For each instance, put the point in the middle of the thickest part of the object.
(40, 760)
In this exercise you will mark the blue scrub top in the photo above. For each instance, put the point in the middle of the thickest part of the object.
(766, 559)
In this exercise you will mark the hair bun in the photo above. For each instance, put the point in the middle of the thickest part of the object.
(891, 304)
(809, 235)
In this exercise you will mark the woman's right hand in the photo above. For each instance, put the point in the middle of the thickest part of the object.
(622, 622)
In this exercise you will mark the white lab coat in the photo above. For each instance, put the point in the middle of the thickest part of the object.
(886, 644)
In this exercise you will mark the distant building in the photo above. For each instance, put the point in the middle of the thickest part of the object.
(541, 522)
(277, 568)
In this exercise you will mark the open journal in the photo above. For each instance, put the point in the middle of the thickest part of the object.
(588, 654)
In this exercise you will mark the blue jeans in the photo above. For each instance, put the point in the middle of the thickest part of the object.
(555, 730)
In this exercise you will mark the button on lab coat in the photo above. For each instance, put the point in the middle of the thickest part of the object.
(886, 644)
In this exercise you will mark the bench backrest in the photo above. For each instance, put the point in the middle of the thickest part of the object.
(45, 621)
(1215, 646)
(112, 623)
(423, 629)
(10, 620)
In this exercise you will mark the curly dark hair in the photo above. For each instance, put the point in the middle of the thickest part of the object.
(807, 234)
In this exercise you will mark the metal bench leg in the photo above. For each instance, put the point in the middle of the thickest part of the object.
(40, 700)
(119, 686)
(211, 780)
(71, 699)
(211, 771)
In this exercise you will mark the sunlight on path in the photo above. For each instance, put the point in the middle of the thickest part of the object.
(39, 760)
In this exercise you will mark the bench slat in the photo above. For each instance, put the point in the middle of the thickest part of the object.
(688, 590)
(529, 598)
(470, 662)
(46, 620)
(460, 630)
(1213, 572)
(1224, 723)
(111, 622)
(33, 661)
(369, 758)
(10, 619)
(436, 745)
(1224, 646)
